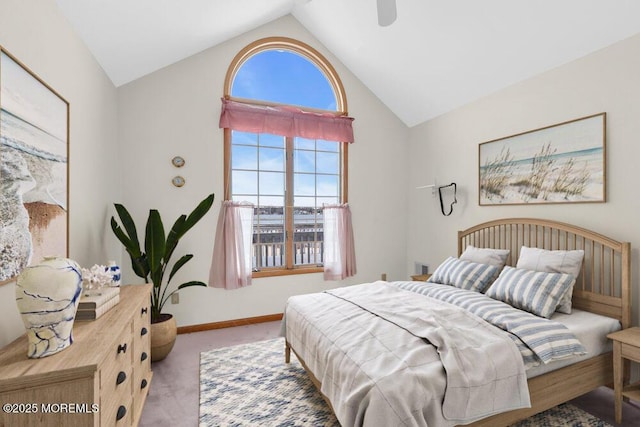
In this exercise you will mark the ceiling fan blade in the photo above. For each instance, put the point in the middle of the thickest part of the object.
(386, 12)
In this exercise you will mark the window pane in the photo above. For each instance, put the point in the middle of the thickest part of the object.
(244, 138)
(285, 77)
(271, 184)
(328, 201)
(268, 140)
(328, 146)
(328, 163)
(244, 198)
(328, 185)
(304, 144)
(244, 157)
(268, 234)
(307, 224)
(304, 161)
(304, 184)
(303, 203)
(271, 159)
(244, 182)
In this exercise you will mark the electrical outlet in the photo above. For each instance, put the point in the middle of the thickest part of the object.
(175, 298)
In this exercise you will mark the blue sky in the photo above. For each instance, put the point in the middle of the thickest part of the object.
(284, 77)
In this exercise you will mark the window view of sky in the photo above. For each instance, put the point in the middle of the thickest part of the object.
(259, 166)
(284, 77)
(258, 161)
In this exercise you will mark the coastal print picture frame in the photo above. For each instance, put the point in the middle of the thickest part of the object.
(34, 154)
(561, 163)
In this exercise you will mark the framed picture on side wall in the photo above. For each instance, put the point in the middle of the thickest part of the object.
(561, 163)
(34, 154)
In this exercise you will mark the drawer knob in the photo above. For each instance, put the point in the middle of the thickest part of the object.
(143, 356)
(122, 411)
(122, 348)
(143, 384)
(144, 310)
(143, 332)
(121, 378)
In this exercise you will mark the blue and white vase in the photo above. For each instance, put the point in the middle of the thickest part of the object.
(114, 271)
(47, 295)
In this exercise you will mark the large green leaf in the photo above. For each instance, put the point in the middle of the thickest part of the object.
(192, 283)
(129, 225)
(174, 237)
(138, 260)
(154, 245)
(197, 214)
(182, 261)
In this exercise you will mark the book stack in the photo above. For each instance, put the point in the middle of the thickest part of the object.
(93, 306)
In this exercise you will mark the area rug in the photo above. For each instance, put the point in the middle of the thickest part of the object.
(250, 385)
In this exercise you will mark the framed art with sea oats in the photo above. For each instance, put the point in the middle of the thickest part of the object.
(561, 163)
(34, 152)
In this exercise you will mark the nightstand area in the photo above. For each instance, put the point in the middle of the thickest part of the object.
(420, 277)
(626, 345)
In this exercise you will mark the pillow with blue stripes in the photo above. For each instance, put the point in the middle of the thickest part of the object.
(464, 274)
(569, 262)
(537, 292)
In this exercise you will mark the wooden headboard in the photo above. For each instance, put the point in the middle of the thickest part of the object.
(604, 284)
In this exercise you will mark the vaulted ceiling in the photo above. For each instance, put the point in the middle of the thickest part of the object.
(437, 55)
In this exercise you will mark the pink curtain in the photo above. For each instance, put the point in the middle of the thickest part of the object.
(339, 250)
(286, 121)
(231, 262)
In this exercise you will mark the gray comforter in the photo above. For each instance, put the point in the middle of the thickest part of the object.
(415, 362)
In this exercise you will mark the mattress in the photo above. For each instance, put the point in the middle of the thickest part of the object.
(591, 329)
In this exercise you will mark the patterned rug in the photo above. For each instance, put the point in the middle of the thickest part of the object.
(250, 385)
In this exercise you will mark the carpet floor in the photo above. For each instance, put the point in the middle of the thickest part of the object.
(250, 385)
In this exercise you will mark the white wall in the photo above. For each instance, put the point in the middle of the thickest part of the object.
(446, 148)
(36, 33)
(175, 111)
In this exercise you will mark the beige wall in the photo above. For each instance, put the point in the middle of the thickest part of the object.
(446, 149)
(37, 34)
(175, 111)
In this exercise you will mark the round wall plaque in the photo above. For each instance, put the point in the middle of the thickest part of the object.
(178, 181)
(177, 161)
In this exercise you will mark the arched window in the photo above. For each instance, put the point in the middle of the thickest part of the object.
(287, 176)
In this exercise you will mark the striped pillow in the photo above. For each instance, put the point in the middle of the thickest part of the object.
(464, 274)
(537, 292)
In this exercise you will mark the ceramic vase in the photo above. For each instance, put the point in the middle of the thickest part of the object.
(47, 295)
(114, 271)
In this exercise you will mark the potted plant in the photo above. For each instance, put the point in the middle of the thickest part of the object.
(153, 262)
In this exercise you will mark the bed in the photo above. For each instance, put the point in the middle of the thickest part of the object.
(601, 289)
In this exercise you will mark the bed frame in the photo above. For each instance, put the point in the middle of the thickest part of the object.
(603, 287)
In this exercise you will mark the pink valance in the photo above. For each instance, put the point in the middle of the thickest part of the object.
(286, 121)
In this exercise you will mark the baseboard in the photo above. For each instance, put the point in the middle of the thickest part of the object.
(229, 323)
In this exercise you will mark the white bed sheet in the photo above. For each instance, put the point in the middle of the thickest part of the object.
(591, 329)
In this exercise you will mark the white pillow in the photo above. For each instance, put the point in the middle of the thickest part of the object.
(566, 262)
(537, 292)
(497, 257)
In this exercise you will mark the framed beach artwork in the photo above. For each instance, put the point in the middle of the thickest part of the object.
(561, 163)
(34, 152)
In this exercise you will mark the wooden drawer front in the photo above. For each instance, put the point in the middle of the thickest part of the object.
(118, 415)
(116, 378)
(631, 352)
(141, 358)
(120, 356)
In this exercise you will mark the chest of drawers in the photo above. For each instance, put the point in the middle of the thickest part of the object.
(102, 379)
